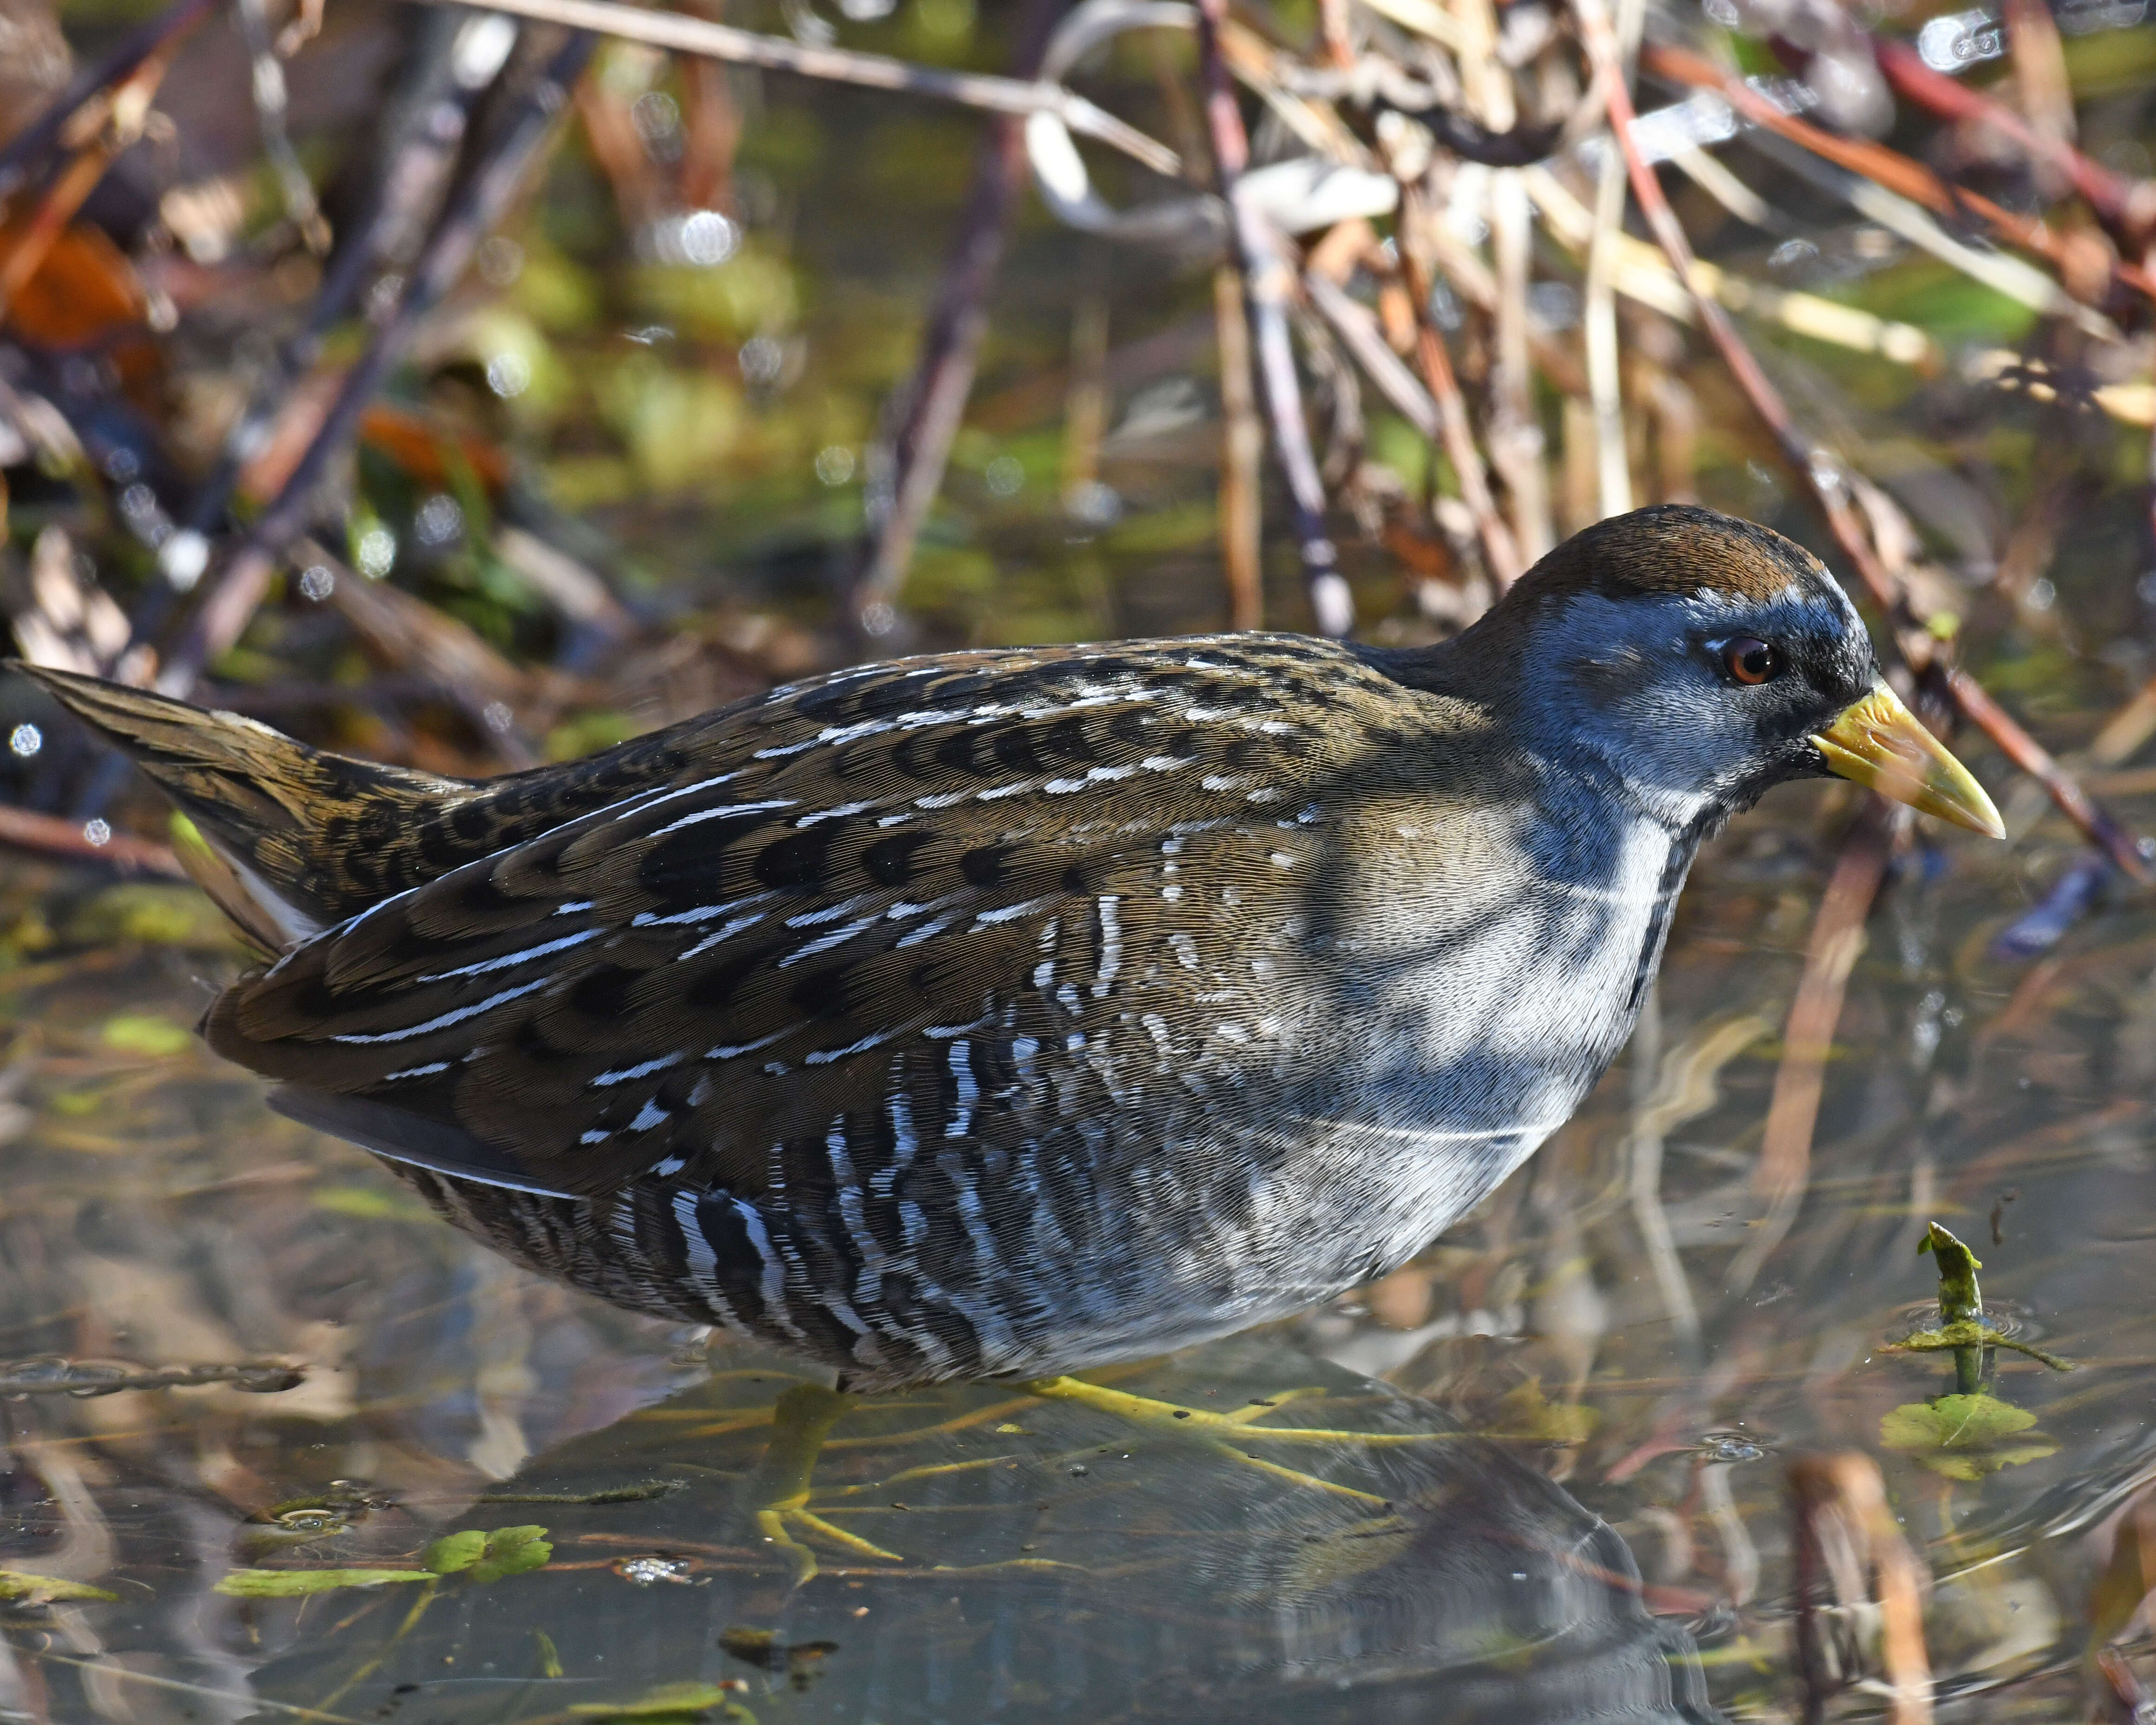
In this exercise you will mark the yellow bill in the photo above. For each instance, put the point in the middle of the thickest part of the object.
(1879, 743)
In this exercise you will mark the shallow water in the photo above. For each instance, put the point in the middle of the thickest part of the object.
(1575, 1506)
(1540, 1475)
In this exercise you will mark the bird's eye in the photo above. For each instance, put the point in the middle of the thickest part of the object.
(1752, 661)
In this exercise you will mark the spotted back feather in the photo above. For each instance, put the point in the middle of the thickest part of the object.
(983, 886)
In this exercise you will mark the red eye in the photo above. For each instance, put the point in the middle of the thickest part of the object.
(1751, 661)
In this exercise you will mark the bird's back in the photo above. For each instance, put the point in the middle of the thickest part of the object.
(987, 1012)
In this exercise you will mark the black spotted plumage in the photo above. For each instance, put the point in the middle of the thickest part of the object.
(1009, 1011)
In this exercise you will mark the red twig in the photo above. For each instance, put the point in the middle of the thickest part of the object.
(50, 835)
(2112, 196)
(1822, 473)
(1500, 550)
(1896, 172)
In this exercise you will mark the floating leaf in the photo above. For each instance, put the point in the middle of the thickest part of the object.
(511, 1551)
(1965, 1437)
(46, 1589)
(454, 1552)
(1526, 1412)
(296, 1583)
(669, 1703)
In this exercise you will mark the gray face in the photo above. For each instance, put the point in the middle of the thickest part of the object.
(1644, 684)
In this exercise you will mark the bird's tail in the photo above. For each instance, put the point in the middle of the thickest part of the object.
(286, 840)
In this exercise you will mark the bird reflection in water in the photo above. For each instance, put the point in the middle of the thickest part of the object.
(982, 1554)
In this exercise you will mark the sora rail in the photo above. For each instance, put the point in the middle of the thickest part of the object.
(1008, 1013)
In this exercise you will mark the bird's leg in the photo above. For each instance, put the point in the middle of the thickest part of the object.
(1229, 1434)
(800, 1420)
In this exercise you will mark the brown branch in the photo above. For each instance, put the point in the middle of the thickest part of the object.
(25, 149)
(1845, 1530)
(471, 213)
(1821, 472)
(912, 447)
(1886, 167)
(1500, 550)
(126, 111)
(1268, 282)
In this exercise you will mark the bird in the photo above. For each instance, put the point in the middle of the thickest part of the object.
(1008, 1013)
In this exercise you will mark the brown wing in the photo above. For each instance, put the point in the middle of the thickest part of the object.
(988, 887)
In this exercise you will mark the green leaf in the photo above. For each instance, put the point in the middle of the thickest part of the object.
(1526, 1412)
(671, 1701)
(1959, 1301)
(512, 1551)
(142, 1032)
(46, 1589)
(1965, 1437)
(294, 1584)
(454, 1552)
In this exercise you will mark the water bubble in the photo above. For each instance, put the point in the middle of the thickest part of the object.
(650, 1570)
(25, 740)
(508, 374)
(878, 618)
(2041, 595)
(762, 360)
(376, 554)
(439, 521)
(658, 122)
(96, 833)
(1556, 304)
(501, 261)
(481, 47)
(1093, 504)
(498, 716)
(183, 557)
(834, 465)
(317, 583)
(1004, 476)
(702, 237)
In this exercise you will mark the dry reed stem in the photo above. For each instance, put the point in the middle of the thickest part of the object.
(1598, 316)
(1846, 1531)
(1515, 435)
(838, 65)
(1500, 549)
(1821, 472)
(1784, 1170)
(1268, 281)
(1242, 457)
